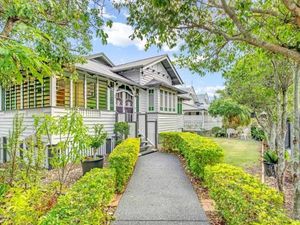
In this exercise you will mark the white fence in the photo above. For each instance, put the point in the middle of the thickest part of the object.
(200, 122)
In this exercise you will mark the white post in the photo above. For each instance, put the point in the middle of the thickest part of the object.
(53, 91)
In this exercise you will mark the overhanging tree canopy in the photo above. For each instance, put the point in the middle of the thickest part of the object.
(41, 37)
(213, 33)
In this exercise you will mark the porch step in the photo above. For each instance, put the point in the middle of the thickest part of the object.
(145, 148)
(147, 152)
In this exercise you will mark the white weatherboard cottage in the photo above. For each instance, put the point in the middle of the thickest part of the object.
(141, 93)
(195, 110)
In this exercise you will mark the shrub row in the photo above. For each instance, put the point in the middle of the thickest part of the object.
(86, 200)
(198, 151)
(242, 199)
(123, 160)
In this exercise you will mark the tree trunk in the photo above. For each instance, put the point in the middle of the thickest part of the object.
(272, 138)
(281, 142)
(296, 149)
(281, 129)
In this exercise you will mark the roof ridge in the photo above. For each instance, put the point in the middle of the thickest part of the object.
(152, 57)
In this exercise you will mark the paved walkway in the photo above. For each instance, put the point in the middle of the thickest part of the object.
(159, 193)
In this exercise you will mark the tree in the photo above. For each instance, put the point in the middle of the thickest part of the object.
(215, 32)
(262, 82)
(45, 37)
(234, 115)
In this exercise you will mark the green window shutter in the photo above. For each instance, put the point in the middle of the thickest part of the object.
(3, 99)
(91, 94)
(7, 99)
(38, 94)
(46, 91)
(102, 85)
(179, 106)
(31, 93)
(112, 98)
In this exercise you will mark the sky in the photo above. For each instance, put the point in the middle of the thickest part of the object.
(121, 49)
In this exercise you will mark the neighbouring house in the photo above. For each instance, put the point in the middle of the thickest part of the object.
(141, 93)
(195, 109)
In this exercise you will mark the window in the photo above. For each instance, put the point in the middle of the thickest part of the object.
(102, 92)
(174, 102)
(170, 101)
(179, 106)
(151, 100)
(161, 100)
(166, 101)
(78, 93)
(63, 92)
(91, 93)
(30, 94)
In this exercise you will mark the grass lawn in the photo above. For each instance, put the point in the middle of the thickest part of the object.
(240, 152)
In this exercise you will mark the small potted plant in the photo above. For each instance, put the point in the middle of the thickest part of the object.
(96, 140)
(270, 162)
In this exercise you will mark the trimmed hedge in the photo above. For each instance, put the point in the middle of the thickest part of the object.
(198, 151)
(242, 199)
(123, 159)
(85, 202)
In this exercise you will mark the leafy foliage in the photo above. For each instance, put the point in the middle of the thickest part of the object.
(257, 133)
(72, 134)
(121, 129)
(98, 138)
(39, 38)
(198, 151)
(218, 131)
(25, 207)
(123, 159)
(211, 35)
(270, 156)
(85, 202)
(234, 115)
(242, 199)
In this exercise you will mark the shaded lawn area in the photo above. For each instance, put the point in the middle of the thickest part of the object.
(240, 152)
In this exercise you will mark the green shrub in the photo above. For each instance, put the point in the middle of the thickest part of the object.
(25, 206)
(242, 199)
(218, 132)
(123, 159)
(198, 151)
(86, 200)
(257, 133)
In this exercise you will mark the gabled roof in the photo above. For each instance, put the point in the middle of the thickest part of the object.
(137, 63)
(203, 98)
(148, 62)
(191, 91)
(157, 83)
(102, 58)
(96, 68)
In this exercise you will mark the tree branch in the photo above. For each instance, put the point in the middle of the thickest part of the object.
(8, 27)
(294, 9)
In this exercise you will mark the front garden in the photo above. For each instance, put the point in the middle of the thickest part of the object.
(240, 198)
(28, 196)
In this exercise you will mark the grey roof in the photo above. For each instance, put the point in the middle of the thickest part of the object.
(156, 83)
(138, 63)
(102, 70)
(203, 98)
(101, 57)
(144, 63)
(185, 96)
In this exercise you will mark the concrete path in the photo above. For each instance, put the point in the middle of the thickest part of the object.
(159, 193)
